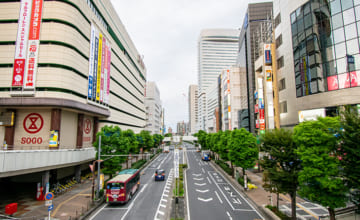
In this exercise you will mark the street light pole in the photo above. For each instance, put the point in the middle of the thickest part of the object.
(98, 176)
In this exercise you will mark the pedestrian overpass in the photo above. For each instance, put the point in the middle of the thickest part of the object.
(178, 138)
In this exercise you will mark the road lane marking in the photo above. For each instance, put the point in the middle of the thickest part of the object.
(219, 197)
(198, 179)
(186, 189)
(301, 207)
(203, 170)
(98, 211)
(236, 192)
(205, 200)
(202, 191)
(208, 180)
(163, 195)
(164, 206)
(228, 215)
(196, 174)
(200, 184)
(142, 188)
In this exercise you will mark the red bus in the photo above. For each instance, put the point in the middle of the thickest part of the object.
(121, 188)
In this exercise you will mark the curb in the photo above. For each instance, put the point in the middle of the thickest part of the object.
(260, 209)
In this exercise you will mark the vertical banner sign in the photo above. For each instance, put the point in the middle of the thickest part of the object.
(33, 46)
(108, 74)
(91, 61)
(98, 80)
(103, 51)
(267, 53)
(176, 163)
(95, 64)
(21, 43)
(105, 72)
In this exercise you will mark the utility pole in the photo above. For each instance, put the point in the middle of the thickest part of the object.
(98, 176)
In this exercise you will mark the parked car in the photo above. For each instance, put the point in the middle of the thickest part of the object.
(159, 174)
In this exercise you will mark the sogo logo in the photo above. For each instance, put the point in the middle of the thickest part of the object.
(32, 124)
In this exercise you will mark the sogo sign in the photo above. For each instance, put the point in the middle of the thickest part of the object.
(32, 124)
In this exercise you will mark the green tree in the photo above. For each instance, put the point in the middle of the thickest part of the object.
(320, 179)
(243, 150)
(168, 135)
(282, 164)
(157, 139)
(349, 152)
(201, 135)
(112, 143)
(222, 145)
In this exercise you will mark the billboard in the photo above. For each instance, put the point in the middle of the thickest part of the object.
(21, 43)
(99, 67)
(311, 114)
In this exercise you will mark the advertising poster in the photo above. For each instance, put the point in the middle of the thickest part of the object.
(98, 80)
(34, 44)
(103, 52)
(267, 53)
(53, 142)
(268, 74)
(108, 63)
(21, 43)
(91, 62)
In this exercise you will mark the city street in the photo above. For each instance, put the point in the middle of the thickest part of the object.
(211, 196)
(151, 201)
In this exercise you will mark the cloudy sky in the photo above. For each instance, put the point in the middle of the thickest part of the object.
(165, 32)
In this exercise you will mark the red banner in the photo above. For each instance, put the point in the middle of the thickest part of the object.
(35, 20)
(332, 83)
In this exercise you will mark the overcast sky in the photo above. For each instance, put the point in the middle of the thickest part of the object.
(166, 32)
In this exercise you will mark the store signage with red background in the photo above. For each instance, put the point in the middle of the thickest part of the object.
(32, 124)
(34, 43)
(262, 119)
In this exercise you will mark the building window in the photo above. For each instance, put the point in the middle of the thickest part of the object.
(278, 41)
(280, 62)
(283, 107)
(277, 20)
(281, 85)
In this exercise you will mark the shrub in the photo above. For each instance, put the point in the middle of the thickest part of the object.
(224, 166)
(138, 164)
(278, 213)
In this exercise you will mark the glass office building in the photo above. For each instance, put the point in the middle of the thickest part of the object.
(325, 39)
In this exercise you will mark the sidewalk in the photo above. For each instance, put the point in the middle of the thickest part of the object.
(260, 198)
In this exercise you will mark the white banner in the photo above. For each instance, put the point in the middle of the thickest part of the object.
(176, 163)
(21, 43)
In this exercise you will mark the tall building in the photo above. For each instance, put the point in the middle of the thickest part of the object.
(321, 70)
(181, 128)
(256, 14)
(212, 102)
(67, 68)
(217, 51)
(193, 108)
(153, 108)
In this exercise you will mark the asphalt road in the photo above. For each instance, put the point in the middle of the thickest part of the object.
(211, 196)
(151, 201)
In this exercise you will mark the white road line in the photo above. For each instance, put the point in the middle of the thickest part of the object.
(161, 205)
(200, 184)
(186, 190)
(196, 174)
(229, 215)
(203, 170)
(209, 180)
(202, 191)
(205, 200)
(163, 161)
(219, 197)
(143, 188)
(98, 212)
(198, 179)
(162, 199)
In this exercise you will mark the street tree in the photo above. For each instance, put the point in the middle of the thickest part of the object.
(222, 145)
(112, 143)
(201, 135)
(320, 179)
(243, 150)
(282, 164)
(349, 151)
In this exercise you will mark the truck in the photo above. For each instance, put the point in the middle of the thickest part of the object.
(166, 149)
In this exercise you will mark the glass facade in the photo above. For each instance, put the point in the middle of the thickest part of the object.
(325, 37)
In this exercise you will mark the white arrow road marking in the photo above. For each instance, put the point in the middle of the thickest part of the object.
(198, 179)
(205, 200)
(196, 174)
(202, 191)
(200, 184)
